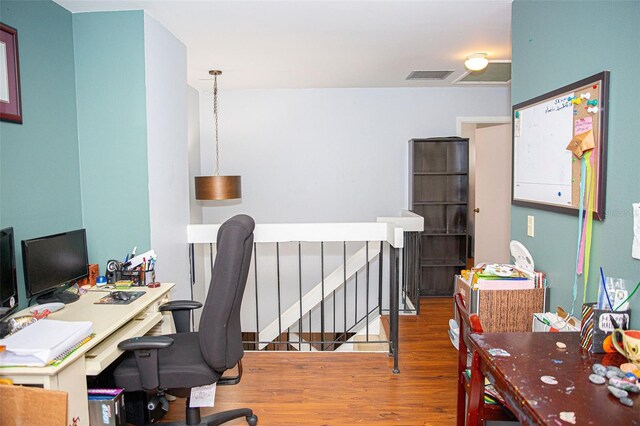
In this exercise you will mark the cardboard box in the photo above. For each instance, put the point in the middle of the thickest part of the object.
(18, 406)
(502, 310)
(106, 407)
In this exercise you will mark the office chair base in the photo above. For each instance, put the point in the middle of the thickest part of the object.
(193, 418)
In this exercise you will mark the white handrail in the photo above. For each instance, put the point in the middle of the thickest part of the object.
(387, 229)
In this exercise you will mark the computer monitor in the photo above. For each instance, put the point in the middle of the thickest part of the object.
(52, 262)
(8, 279)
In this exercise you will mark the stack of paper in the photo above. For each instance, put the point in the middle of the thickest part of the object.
(42, 341)
(502, 277)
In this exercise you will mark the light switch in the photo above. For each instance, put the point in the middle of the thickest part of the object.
(530, 226)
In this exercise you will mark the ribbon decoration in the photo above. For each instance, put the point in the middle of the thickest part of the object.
(591, 176)
(583, 178)
(585, 228)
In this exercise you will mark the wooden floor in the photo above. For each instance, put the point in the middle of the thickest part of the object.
(313, 388)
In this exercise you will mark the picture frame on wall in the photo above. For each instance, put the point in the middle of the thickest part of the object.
(10, 100)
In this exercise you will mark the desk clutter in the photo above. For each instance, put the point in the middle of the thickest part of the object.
(119, 298)
(135, 270)
(622, 381)
(43, 341)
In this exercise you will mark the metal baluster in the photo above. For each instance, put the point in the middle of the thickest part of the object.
(355, 317)
(279, 301)
(393, 297)
(255, 273)
(366, 252)
(380, 269)
(300, 293)
(192, 273)
(322, 300)
(344, 278)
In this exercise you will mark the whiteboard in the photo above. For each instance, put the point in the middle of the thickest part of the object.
(545, 173)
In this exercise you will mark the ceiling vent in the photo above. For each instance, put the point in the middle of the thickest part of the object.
(497, 72)
(429, 75)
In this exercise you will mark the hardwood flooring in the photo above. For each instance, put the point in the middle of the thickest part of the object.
(314, 388)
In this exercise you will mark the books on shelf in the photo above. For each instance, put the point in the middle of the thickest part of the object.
(42, 342)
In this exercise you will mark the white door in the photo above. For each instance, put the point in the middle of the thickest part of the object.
(492, 194)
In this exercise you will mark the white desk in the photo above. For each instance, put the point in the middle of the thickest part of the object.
(111, 325)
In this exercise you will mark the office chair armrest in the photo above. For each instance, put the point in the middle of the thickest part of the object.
(176, 305)
(145, 342)
(145, 349)
(181, 312)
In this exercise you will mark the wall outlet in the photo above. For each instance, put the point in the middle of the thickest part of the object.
(530, 226)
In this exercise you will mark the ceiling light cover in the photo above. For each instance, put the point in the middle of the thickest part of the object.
(218, 187)
(476, 61)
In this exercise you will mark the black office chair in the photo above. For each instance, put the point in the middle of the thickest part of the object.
(178, 362)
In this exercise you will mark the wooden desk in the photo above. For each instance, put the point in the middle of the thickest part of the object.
(517, 378)
(111, 324)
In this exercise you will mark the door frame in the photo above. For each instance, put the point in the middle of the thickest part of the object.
(460, 121)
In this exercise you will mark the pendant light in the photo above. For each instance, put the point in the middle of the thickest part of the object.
(217, 187)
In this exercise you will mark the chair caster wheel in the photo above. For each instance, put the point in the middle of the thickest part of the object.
(252, 420)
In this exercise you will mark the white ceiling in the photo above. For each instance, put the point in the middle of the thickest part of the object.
(325, 44)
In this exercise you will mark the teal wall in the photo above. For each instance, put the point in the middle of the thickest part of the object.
(554, 44)
(110, 84)
(39, 168)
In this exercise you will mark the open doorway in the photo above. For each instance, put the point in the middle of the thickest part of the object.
(489, 186)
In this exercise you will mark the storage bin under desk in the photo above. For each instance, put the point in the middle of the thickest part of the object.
(503, 310)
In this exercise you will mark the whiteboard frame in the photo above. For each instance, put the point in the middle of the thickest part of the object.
(602, 79)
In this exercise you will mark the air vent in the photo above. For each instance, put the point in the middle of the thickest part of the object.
(498, 72)
(429, 75)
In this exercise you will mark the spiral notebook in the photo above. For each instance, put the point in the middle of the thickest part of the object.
(41, 342)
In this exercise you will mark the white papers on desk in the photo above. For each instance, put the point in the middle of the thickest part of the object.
(42, 341)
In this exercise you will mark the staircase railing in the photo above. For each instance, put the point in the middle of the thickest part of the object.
(315, 286)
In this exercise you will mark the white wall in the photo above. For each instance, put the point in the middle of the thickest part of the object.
(328, 155)
(195, 208)
(167, 147)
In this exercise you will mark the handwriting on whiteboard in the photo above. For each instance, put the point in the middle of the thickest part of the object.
(558, 105)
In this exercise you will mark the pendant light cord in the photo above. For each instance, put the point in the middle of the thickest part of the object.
(215, 121)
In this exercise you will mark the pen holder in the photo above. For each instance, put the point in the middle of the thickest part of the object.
(597, 324)
(137, 276)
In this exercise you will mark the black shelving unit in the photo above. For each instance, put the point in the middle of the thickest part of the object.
(438, 191)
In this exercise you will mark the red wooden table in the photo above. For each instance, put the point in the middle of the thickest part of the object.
(532, 355)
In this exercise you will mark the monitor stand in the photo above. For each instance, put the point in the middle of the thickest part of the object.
(59, 295)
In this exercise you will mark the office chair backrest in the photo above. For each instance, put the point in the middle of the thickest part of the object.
(219, 333)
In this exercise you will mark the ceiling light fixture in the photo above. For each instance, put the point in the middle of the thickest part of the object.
(476, 61)
(217, 187)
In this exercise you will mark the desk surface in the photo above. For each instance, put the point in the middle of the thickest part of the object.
(534, 355)
(106, 319)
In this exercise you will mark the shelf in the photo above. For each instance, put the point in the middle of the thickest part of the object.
(439, 203)
(443, 234)
(439, 179)
(440, 173)
(434, 263)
